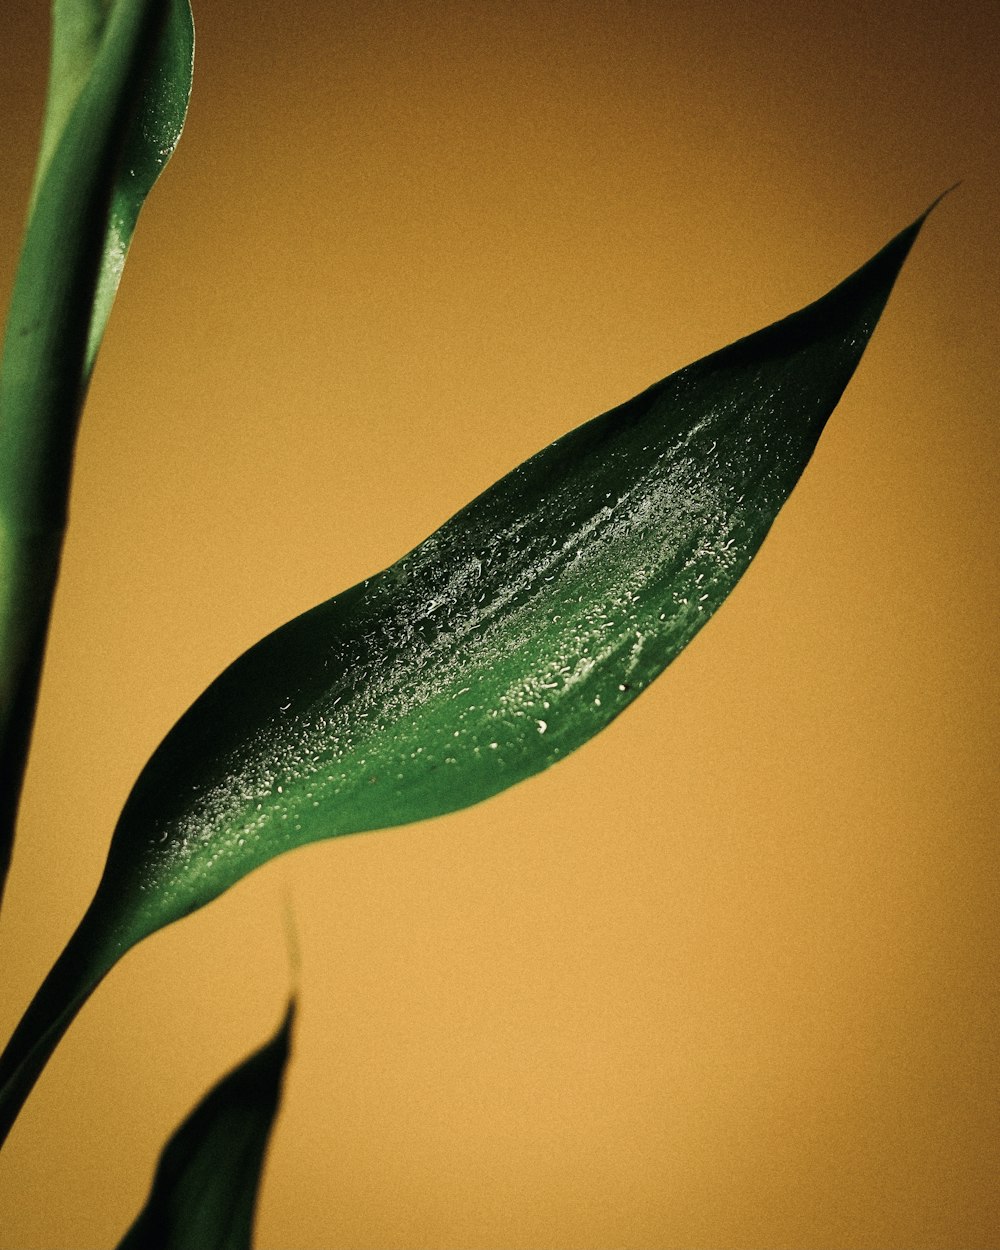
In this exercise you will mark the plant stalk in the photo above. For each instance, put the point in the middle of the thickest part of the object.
(88, 956)
(44, 371)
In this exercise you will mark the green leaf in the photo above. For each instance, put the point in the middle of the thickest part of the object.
(505, 641)
(205, 1188)
(118, 92)
(149, 144)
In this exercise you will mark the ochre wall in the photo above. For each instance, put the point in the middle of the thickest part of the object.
(727, 977)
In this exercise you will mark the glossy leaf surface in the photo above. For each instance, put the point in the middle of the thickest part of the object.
(119, 86)
(152, 136)
(510, 637)
(206, 1183)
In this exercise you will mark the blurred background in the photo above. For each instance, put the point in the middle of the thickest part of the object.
(728, 976)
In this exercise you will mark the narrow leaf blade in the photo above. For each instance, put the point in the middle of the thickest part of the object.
(205, 1188)
(118, 92)
(152, 138)
(506, 640)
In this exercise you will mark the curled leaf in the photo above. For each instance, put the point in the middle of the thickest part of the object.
(503, 642)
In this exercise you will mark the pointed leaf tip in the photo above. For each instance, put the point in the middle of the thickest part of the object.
(513, 634)
(205, 1187)
(506, 640)
(944, 194)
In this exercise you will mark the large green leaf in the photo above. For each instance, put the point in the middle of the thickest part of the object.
(118, 91)
(510, 637)
(205, 1188)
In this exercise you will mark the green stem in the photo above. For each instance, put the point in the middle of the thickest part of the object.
(45, 367)
(88, 956)
(30, 565)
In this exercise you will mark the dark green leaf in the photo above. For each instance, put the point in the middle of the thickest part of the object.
(205, 1188)
(502, 643)
(118, 92)
(150, 142)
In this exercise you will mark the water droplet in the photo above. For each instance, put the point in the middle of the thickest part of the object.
(542, 726)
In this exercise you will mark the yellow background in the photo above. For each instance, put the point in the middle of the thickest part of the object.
(727, 977)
